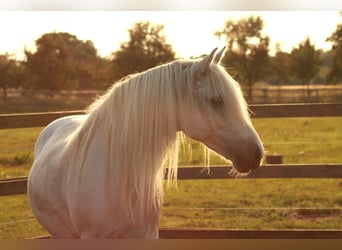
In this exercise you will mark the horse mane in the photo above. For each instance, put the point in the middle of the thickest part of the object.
(138, 117)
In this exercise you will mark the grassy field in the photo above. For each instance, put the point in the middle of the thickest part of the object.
(209, 204)
(299, 140)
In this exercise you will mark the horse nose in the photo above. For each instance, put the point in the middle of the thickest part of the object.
(251, 161)
(258, 154)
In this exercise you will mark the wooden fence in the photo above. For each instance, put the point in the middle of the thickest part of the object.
(296, 93)
(266, 94)
(19, 185)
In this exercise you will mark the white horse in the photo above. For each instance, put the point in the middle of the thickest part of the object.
(100, 175)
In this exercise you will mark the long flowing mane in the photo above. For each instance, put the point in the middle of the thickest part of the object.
(138, 121)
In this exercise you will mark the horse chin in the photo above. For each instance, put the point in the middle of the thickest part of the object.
(240, 168)
(243, 171)
(237, 169)
(245, 167)
(238, 172)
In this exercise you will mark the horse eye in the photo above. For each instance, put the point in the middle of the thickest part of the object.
(184, 66)
(217, 101)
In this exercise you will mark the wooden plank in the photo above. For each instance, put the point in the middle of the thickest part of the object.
(247, 234)
(296, 110)
(298, 171)
(13, 186)
(29, 120)
(266, 171)
(18, 186)
(181, 233)
(259, 111)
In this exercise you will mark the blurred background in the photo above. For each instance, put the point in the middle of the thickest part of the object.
(58, 60)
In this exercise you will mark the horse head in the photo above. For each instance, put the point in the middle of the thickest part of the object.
(214, 112)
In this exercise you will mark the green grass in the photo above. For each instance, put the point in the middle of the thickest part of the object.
(16, 151)
(212, 203)
(303, 140)
(17, 220)
(208, 204)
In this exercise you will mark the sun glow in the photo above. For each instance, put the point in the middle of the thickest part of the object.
(191, 33)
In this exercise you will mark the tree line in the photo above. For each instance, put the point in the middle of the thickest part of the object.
(63, 62)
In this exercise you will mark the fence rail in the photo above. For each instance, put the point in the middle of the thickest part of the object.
(19, 185)
(176, 233)
(258, 111)
(266, 94)
(195, 233)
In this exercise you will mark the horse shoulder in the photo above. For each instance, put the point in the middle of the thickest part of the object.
(58, 129)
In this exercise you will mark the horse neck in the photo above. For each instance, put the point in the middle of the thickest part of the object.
(143, 128)
(146, 116)
(137, 119)
(136, 125)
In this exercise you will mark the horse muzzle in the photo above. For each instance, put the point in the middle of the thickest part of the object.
(249, 162)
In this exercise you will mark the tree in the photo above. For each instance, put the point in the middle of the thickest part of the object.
(335, 73)
(146, 48)
(306, 61)
(63, 62)
(11, 73)
(247, 49)
(279, 67)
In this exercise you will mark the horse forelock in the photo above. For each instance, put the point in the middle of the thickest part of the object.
(234, 102)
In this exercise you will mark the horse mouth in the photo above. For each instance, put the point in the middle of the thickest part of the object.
(238, 172)
(241, 164)
(246, 167)
(242, 171)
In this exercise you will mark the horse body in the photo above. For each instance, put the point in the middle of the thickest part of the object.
(74, 205)
(100, 175)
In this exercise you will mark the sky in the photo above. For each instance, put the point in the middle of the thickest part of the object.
(189, 32)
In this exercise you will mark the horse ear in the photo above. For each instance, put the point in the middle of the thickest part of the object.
(219, 55)
(204, 64)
